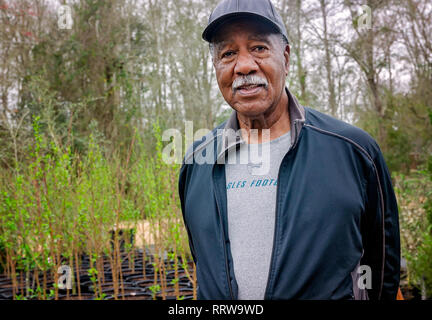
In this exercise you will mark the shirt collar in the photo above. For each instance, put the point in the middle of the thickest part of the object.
(231, 135)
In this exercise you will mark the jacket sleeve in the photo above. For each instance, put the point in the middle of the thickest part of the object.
(381, 239)
(182, 186)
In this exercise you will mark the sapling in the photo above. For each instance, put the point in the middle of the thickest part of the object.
(78, 274)
(155, 271)
(173, 257)
(154, 290)
(121, 175)
(51, 294)
(93, 273)
(102, 296)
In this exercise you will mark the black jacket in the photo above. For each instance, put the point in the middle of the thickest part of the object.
(335, 210)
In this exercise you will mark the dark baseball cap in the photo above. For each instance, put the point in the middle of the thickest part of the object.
(229, 9)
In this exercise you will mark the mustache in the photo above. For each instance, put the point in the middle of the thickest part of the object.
(249, 80)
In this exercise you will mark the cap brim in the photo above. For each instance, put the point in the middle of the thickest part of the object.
(210, 30)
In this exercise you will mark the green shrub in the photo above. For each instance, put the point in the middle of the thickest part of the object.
(415, 212)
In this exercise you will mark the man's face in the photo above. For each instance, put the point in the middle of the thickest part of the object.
(251, 66)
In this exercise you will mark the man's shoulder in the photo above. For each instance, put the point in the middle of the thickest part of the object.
(331, 126)
(203, 141)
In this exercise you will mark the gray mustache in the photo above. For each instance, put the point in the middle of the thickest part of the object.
(249, 80)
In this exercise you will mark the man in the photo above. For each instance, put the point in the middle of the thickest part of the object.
(313, 217)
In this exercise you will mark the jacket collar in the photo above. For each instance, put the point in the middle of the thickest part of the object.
(231, 135)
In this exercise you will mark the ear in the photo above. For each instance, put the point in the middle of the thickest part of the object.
(287, 58)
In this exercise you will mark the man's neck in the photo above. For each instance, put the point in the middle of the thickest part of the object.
(277, 123)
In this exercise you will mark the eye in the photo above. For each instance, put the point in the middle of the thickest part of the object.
(227, 54)
(259, 48)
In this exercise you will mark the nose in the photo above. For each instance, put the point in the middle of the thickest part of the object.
(245, 64)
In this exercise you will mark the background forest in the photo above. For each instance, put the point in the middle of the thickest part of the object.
(82, 111)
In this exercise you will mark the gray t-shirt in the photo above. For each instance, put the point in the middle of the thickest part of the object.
(251, 195)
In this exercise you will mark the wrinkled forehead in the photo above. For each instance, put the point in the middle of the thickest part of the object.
(252, 28)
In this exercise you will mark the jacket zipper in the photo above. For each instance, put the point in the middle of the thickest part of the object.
(276, 215)
(224, 245)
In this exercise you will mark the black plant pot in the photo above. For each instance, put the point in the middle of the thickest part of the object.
(143, 283)
(139, 276)
(6, 294)
(131, 296)
(170, 294)
(84, 296)
(5, 283)
(126, 270)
